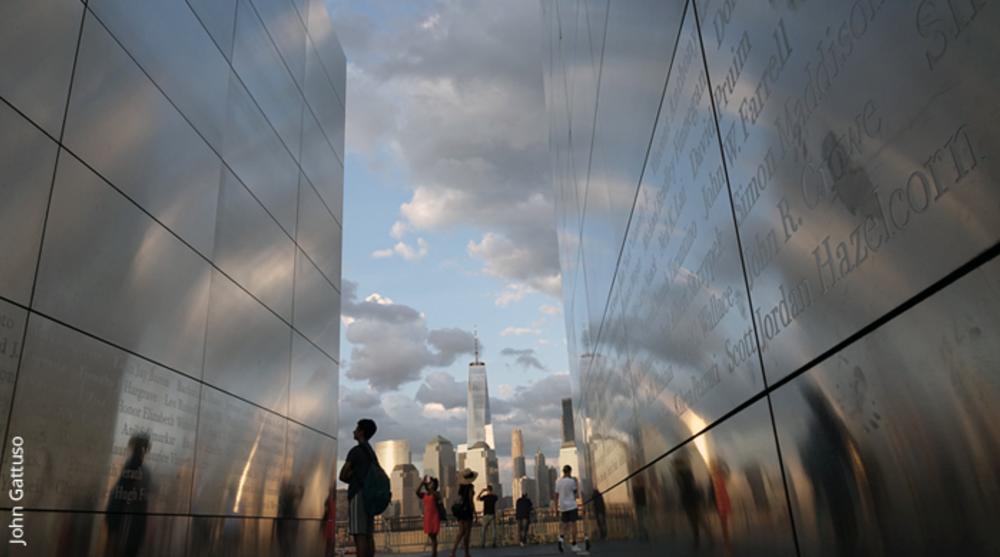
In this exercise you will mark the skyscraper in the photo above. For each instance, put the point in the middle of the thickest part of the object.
(404, 480)
(517, 453)
(392, 452)
(568, 453)
(569, 434)
(483, 459)
(439, 461)
(525, 485)
(479, 426)
(541, 479)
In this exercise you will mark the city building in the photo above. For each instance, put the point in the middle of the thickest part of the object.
(479, 423)
(778, 229)
(440, 462)
(543, 481)
(517, 453)
(403, 481)
(569, 452)
(483, 460)
(167, 152)
(568, 430)
(460, 452)
(526, 485)
(393, 452)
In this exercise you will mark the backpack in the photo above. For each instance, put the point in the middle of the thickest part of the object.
(375, 487)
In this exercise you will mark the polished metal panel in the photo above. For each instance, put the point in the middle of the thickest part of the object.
(133, 283)
(257, 62)
(170, 44)
(219, 19)
(124, 128)
(319, 235)
(239, 537)
(257, 156)
(288, 33)
(681, 250)
(37, 44)
(247, 348)
(12, 322)
(158, 376)
(859, 153)
(314, 383)
(81, 406)
(317, 304)
(639, 38)
(329, 50)
(252, 249)
(321, 166)
(323, 100)
(891, 445)
(722, 493)
(65, 533)
(310, 473)
(795, 143)
(240, 457)
(27, 163)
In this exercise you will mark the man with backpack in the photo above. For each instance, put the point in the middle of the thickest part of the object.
(366, 483)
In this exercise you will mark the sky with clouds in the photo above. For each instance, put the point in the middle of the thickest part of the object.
(448, 222)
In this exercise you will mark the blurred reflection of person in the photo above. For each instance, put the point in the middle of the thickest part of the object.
(689, 496)
(286, 524)
(720, 473)
(128, 501)
(832, 461)
(329, 522)
(600, 513)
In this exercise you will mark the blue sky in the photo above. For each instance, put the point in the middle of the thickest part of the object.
(448, 221)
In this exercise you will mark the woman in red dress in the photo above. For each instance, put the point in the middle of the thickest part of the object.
(428, 492)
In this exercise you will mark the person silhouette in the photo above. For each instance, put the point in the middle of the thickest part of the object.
(128, 501)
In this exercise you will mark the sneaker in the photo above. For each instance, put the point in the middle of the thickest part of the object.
(560, 544)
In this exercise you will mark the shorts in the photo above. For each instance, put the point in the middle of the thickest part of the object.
(359, 521)
(569, 516)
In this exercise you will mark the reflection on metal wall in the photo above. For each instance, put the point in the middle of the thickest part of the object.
(171, 185)
(777, 224)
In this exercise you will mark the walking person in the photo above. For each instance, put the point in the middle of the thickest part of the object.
(361, 524)
(489, 500)
(567, 489)
(463, 510)
(428, 493)
(522, 511)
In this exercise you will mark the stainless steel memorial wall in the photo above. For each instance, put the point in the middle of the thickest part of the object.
(171, 186)
(778, 226)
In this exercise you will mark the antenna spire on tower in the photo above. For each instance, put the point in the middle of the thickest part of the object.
(475, 335)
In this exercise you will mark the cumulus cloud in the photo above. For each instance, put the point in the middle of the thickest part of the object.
(519, 331)
(524, 357)
(404, 250)
(441, 388)
(455, 105)
(391, 344)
